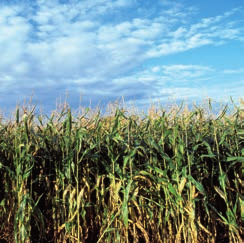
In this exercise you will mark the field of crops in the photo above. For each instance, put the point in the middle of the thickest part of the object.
(170, 176)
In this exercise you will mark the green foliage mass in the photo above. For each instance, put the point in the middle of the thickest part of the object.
(172, 176)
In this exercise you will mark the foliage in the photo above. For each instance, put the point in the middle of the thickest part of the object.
(176, 176)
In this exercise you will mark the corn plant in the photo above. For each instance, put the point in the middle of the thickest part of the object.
(167, 176)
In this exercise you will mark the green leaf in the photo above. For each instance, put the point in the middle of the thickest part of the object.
(109, 230)
(239, 159)
(197, 184)
(156, 169)
(124, 208)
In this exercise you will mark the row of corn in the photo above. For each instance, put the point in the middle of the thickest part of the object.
(174, 176)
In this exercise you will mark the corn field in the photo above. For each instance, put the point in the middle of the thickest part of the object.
(174, 176)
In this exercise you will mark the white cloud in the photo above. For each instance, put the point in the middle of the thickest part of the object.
(234, 71)
(186, 71)
(98, 46)
(179, 33)
(208, 31)
(175, 82)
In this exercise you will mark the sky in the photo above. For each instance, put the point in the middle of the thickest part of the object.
(98, 51)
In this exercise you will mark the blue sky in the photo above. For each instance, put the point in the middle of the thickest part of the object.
(101, 50)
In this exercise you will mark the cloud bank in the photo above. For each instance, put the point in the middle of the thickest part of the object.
(107, 49)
